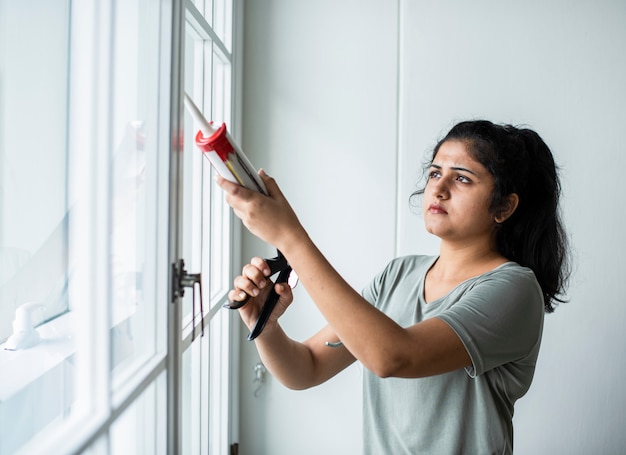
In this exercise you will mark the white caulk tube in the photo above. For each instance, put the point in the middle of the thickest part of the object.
(223, 152)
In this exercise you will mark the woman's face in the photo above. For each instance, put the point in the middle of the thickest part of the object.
(458, 196)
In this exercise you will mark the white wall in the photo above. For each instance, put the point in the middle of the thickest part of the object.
(318, 73)
(560, 68)
(320, 114)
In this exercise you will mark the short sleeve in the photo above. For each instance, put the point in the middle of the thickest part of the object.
(499, 319)
(370, 291)
(397, 284)
(385, 279)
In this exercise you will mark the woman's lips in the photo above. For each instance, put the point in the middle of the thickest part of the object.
(436, 209)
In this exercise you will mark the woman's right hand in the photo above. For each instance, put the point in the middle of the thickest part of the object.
(254, 281)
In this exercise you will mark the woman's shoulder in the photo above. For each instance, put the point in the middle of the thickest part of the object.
(400, 275)
(510, 270)
(510, 278)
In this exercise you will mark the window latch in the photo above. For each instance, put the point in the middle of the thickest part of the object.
(181, 280)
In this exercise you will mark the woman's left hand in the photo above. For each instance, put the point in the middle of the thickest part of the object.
(270, 218)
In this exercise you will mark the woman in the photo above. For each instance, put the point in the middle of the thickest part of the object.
(450, 342)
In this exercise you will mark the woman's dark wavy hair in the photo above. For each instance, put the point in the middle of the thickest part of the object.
(521, 163)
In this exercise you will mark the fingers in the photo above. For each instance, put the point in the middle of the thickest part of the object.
(227, 185)
(260, 264)
(236, 295)
(246, 203)
(285, 298)
(284, 291)
(235, 189)
(270, 184)
(252, 281)
(251, 292)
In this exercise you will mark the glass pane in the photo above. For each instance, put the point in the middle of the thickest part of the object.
(217, 258)
(195, 397)
(33, 189)
(134, 183)
(142, 427)
(222, 89)
(223, 21)
(220, 211)
(219, 383)
(205, 7)
(207, 81)
(36, 363)
(199, 222)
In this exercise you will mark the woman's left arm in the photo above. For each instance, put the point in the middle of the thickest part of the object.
(381, 345)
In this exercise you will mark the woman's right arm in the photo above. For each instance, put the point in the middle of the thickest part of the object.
(301, 365)
(296, 365)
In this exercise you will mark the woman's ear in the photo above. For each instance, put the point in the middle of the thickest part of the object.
(508, 207)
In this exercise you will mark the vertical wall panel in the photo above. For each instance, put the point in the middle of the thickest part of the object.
(320, 116)
(559, 68)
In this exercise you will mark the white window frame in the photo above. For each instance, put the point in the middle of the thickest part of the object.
(97, 410)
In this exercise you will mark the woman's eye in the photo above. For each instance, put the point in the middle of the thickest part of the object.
(463, 179)
(433, 174)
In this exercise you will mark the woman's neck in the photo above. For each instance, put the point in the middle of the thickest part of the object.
(467, 260)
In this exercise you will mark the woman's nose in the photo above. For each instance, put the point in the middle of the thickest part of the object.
(440, 188)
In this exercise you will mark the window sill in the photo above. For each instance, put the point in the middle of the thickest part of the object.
(24, 367)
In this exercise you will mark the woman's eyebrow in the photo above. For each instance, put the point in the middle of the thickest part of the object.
(455, 168)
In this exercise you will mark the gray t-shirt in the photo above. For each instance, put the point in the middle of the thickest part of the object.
(499, 318)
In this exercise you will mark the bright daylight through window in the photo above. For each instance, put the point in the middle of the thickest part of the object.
(100, 196)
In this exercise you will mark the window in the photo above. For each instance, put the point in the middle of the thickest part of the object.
(101, 196)
(33, 163)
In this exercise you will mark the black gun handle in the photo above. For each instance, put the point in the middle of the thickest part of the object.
(276, 265)
(236, 305)
(268, 307)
